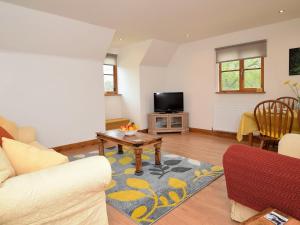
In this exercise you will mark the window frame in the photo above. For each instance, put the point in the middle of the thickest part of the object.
(115, 79)
(241, 70)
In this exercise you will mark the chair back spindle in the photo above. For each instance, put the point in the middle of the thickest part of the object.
(290, 101)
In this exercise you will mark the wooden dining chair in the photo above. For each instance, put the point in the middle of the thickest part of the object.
(290, 101)
(274, 119)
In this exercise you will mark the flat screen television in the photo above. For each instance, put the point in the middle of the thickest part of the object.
(168, 102)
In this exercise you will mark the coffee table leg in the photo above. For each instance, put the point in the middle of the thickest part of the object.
(157, 153)
(120, 149)
(138, 160)
(101, 147)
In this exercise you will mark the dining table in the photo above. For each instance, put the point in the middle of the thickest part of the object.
(249, 127)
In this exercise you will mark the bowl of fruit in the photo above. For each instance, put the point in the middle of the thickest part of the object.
(129, 130)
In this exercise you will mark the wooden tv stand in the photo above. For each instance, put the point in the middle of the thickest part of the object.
(168, 122)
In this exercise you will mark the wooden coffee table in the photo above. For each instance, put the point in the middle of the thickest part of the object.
(137, 142)
(260, 220)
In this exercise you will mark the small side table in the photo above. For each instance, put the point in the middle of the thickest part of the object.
(260, 220)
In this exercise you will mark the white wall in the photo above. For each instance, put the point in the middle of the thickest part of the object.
(142, 71)
(129, 61)
(193, 70)
(51, 74)
(152, 79)
(61, 97)
(113, 107)
(153, 70)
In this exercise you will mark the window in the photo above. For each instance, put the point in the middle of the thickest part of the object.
(241, 67)
(244, 75)
(110, 75)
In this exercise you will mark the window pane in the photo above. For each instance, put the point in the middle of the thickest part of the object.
(252, 63)
(230, 81)
(252, 78)
(232, 65)
(108, 69)
(108, 83)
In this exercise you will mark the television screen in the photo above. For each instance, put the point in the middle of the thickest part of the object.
(168, 102)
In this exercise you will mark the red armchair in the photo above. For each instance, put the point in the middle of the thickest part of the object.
(259, 179)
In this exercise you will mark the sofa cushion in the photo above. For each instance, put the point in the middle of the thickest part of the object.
(6, 169)
(289, 145)
(26, 134)
(9, 126)
(4, 133)
(38, 145)
(26, 158)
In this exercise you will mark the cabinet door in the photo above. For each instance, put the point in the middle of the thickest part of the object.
(161, 122)
(176, 121)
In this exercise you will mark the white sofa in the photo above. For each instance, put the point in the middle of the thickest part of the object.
(68, 194)
(289, 145)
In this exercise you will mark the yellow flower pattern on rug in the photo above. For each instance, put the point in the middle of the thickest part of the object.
(142, 213)
(147, 197)
(215, 170)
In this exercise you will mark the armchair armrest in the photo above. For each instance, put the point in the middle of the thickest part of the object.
(26, 134)
(260, 179)
(47, 193)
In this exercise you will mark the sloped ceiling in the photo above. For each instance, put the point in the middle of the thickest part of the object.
(147, 53)
(27, 30)
(159, 53)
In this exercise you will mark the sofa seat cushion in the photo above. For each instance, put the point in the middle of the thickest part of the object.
(6, 169)
(27, 158)
(289, 145)
(4, 133)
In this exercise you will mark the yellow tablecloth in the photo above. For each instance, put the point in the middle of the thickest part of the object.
(248, 125)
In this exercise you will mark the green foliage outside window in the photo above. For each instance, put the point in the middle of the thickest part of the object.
(231, 65)
(231, 81)
(247, 70)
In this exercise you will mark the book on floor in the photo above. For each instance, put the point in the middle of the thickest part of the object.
(276, 218)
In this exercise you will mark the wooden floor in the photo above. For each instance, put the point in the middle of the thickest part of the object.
(210, 206)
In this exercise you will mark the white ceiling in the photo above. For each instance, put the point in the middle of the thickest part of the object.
(169, 20)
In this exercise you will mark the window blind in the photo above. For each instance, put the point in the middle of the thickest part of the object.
(110, 59)
(242, 51)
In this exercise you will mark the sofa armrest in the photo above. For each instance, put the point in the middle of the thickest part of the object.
(260, 179)
(49, 192)
(290, 145)
(26, 134)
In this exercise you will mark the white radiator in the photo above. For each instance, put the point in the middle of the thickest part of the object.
(227, 113)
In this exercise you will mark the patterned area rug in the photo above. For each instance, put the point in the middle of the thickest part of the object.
(149, 196)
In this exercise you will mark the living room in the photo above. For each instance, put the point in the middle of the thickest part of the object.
(72, 69)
